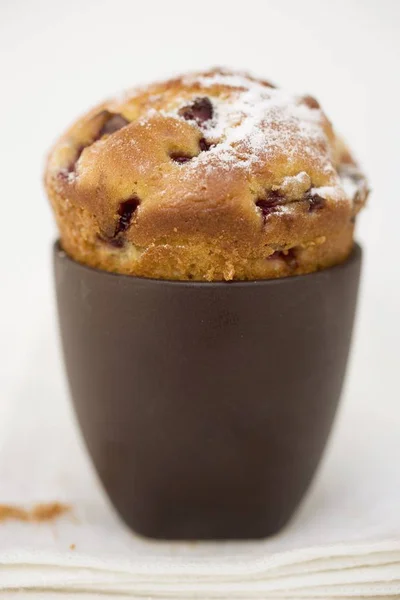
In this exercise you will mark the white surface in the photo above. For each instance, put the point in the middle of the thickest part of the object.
(56, 59)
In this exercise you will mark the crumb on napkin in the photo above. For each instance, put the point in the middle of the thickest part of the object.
(38, 513)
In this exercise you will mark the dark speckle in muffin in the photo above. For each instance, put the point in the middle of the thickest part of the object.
(201, 110)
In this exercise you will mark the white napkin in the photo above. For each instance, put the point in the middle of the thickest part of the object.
(344, 541)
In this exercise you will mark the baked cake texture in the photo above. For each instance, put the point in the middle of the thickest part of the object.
(209, 176)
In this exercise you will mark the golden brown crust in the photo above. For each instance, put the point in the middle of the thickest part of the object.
(209, 176)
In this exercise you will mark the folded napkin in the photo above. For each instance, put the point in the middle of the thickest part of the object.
(367, 570)
(344, 542)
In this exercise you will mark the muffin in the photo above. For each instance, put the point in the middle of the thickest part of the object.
(210, 176)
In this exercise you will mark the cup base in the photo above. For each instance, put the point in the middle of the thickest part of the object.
(205, 406)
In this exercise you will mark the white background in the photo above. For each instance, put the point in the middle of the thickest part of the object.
(59, 58)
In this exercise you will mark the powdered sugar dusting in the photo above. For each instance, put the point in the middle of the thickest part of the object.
(235, 80)
(282, 142)
(328, 192)
(350, 187)
(354, 183)
(258, 122)
(71, 176)
(295, 186)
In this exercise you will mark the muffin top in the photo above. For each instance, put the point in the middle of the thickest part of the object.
(209, 176)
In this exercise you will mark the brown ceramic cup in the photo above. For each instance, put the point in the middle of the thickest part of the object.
(205, 406)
